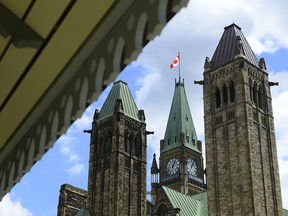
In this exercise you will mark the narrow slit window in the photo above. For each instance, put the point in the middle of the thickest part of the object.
(225, 94)
(218, 98)
(232, 92)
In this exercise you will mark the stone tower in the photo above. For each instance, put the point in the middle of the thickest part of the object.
(181, 161)
(117, 166)
(242, 167)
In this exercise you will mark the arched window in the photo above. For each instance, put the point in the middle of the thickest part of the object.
(135, 149)
(251, 90)
(255, 95)
(260, 97)
(225, 94)
(107, 143)
(162, 210)
(126, 139)
(218, 98)
(232, 91)
(131, 145)
(100, 144)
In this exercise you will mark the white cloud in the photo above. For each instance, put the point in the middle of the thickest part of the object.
(11, 207)
(85, 121)
(76, 169)
(74, 164)
(280, 104)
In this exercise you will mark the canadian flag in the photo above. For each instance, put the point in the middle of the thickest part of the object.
(175, 61)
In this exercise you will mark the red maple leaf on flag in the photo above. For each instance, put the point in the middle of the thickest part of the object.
(175, 61)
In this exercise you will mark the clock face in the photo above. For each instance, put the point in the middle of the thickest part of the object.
(191, 167)
(173, 166)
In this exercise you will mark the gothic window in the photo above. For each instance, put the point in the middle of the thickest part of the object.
(260, 97)
(103, 142)
(251, 90)
(232, 91)
(100, 146)
(107, 144)
(162, 210)
(131, 145)
(126, 140)
(255, 95)
(225, 94)
(218, 97)
(135, 149)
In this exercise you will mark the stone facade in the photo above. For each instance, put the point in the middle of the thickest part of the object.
(71, 200)
(117, 166)
(163, 206)
(242, 168)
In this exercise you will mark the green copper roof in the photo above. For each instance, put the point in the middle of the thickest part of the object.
(119, 90)
(285, 212)
(83, 212)
(188, 205)
(180, 120)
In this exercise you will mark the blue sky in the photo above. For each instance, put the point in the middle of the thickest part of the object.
(195, 32)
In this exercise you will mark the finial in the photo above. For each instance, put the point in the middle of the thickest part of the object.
(207, 64)
(262, 64)
(96, 114)
(239, 47)
(118, 106)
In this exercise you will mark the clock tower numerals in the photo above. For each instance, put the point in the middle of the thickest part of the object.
(173, 166)
(191, 167)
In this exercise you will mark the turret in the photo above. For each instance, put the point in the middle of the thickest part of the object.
(154, 179)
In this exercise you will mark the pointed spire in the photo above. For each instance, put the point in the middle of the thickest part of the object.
(232, 43)
(120, 100)
(154, 167)
(179, 121)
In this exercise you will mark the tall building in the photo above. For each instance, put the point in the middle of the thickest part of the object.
(242, 174)
(117, 165)
(241, 156)
(181, 161)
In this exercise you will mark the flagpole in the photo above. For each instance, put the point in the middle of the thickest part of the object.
(179, 66)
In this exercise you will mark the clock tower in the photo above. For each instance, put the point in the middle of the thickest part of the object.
(181, 161)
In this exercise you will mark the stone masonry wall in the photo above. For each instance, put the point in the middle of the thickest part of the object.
(241, 158)
(71, 200)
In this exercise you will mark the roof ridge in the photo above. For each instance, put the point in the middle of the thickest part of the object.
(232, 43)
(120, 90)
(232, 25)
